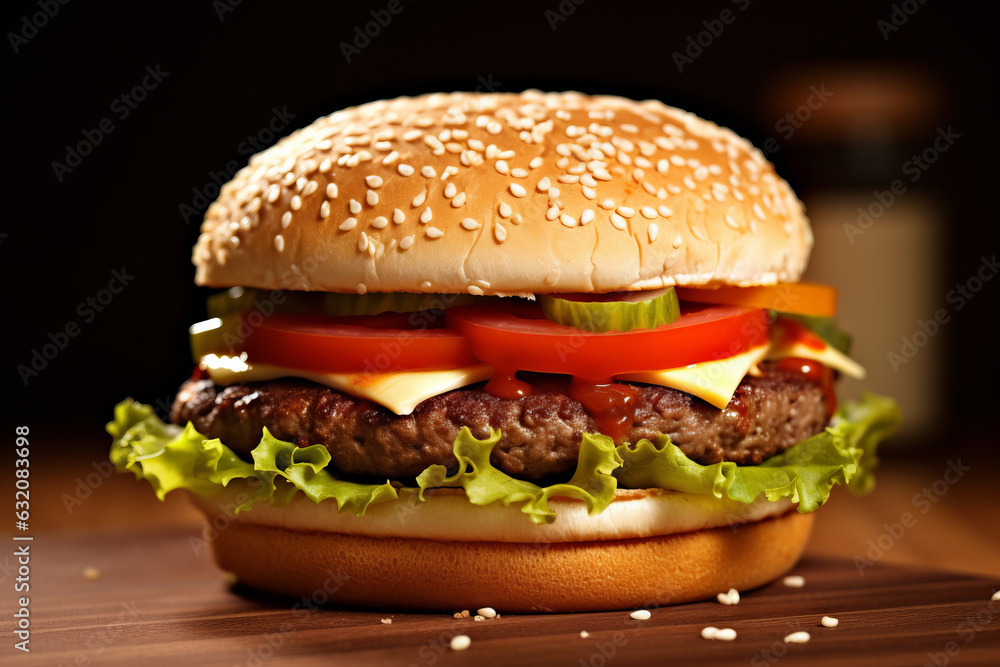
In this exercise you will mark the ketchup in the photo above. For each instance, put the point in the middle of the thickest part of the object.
(814, 372)
(611, 405)
(503, 384)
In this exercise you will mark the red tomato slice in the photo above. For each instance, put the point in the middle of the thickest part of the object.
(361, 344)
(515, 336)
(801, 298)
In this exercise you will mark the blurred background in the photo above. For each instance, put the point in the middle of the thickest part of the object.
(124, 118)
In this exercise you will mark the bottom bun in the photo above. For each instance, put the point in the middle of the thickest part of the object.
(411, 573)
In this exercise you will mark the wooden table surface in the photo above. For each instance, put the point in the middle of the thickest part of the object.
(911, 594)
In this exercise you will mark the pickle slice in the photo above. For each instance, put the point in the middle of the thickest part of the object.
(374, 303)
(619, 311)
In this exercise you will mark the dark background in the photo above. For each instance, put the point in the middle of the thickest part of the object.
(228, 68)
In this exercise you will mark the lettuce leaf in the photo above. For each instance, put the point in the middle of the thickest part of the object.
(170, 457)
(844, 454)
(484, 484)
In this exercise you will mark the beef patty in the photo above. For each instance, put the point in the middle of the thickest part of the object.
(541, 432)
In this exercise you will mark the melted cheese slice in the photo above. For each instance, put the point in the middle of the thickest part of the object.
(713, 381)
(400, 391)
(828, 356)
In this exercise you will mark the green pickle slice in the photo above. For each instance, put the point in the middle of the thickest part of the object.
(618, 311)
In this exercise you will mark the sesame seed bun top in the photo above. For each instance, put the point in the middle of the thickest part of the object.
(504, 194)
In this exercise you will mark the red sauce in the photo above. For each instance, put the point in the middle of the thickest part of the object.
(814, 372)
(611, 405)
(791, 332)
(503, 384)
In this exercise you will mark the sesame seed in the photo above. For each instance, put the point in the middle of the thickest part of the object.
(477, 291)
(725, 634)
(589, 193)
(995, 597)
(501, 166)
(535, 162)
(501, 235)
(653, 231)
(272, 193)
(406, 242)
(800, 637)
(625, 211)
(348, 225)
(731, 222)
(296, 203)
(588, 180)
(459, 200)
(493, 127)
(729, 598)
(569, 178)
(709, 632)
(363, 242)
(491, 151)
(758, 211)
(517, 190)
(544, 184)
(380, 222)
(517, 219)
(331, 190)
(562, 162)
(325, 166)
(462, 642)
(450, 190)
(324, 210)
(552, 277)
(618, 221)
(567, 220)
(552, 213)
(434, 233)
(371, 197)
(428, 171)
(607, 204)
(373, 181)
(93, 574)
(602, 175)
(664, 211)
(360, 288)
(689, 183)
(470, 224)
(830, 622)
(286, 219)
(398, 216)
(354, 206)
(419, 199)
(411, 135)
(404, 169)
(450, 170)
(640, 615)
(279, 243)
(386, 621)
(553, 193)
(391, 157)
(426, 216)
(794, 581)
(648, 212)
(701, 173)
(505, 210)
(587, 216)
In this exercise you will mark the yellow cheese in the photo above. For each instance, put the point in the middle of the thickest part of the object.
(399, 391)
(828, 356)
(713, 381)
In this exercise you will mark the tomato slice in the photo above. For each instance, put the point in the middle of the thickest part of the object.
(359, 344)
(512, 337)
(801, 298)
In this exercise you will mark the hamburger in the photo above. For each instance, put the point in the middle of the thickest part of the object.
(542, 352)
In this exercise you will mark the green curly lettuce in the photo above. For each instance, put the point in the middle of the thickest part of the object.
(170, 457)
